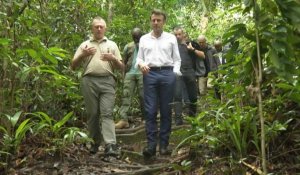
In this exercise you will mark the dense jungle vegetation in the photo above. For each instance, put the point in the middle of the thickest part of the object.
(255, 128)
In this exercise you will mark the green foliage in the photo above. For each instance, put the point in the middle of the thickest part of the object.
(59, 131)
(278, 39)
(13, 134)
(38, 39)
(225, 126)
(185, 166)
(53, 135)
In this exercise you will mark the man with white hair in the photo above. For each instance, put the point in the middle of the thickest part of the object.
(99, 56)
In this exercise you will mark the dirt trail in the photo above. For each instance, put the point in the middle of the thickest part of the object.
(77, 160)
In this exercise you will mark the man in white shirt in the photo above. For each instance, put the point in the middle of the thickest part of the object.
(159, 60)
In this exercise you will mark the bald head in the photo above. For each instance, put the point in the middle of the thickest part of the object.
(202, 41)
(136, 34)
(218, 45)
(136, 30)
(201, 38)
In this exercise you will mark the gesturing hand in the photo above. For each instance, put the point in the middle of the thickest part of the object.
(190, 47)
(87, 51)
(108, 57)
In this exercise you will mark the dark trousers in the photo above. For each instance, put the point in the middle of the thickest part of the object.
(158, 91)
(189, 80)
(217, 88)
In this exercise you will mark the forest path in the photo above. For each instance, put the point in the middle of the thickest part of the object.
(78, 160)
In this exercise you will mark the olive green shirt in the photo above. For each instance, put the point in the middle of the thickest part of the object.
(94, 65)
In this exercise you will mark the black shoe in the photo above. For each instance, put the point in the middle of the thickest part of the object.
(178, 121)
(111, 150)
(164, 151)
(148, 153)
(94, 148)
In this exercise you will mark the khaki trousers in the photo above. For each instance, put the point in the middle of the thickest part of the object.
(202, 85)
(99, 97)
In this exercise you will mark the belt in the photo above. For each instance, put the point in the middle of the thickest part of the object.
(97, 76)
(161, 68)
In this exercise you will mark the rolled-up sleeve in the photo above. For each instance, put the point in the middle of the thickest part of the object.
(176, 57)
(140, 56)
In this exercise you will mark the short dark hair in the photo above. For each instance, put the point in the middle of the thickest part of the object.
(159, 12)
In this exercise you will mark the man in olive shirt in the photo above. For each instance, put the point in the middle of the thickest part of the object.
(99, 56)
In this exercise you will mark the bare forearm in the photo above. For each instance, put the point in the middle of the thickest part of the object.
(199, 53)
(118, 64)
(76, 62)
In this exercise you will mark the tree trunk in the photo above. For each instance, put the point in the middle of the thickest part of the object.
(259, 96)
(110, 11)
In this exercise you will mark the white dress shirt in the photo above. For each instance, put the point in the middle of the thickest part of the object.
(157, 52)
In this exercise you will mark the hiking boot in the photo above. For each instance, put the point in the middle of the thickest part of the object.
(94, 148)
(164, 151)
(178, 121)
(122, 124)
(111, 150)
(148, 153)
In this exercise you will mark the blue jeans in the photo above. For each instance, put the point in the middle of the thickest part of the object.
(159, 86)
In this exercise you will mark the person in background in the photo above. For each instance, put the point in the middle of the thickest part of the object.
(203, 67)
(219, 59)
(99, 56)
(133, 78)
(188, 60)
(220, 51)
(159, 61)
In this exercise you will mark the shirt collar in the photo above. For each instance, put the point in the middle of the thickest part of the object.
(104, 39)
(154, 36)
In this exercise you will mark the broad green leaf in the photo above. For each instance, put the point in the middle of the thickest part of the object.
(40, 126)
(50, 71)
(82, 134)
(22, 129)
(13, 120)
(4, 152)
(275, 59)
(3, 129)
(51, 58)
(60, 123)
(4, 41)
(295, 97)
(33, 54)
(57, 51)
(285, 86)
(43, 116)
(270, 6)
